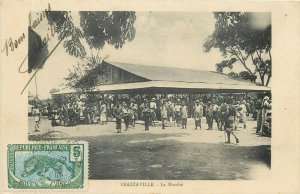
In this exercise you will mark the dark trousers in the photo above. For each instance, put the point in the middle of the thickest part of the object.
(147, 123)
(163, 122)
(118, 124)
(209, 120)
(259, 121)
(126, 121)
(183, 122)
(216, 117)
(198, 123)
(222, 119)
(177, 118)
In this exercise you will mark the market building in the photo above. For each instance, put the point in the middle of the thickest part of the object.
(123, 78)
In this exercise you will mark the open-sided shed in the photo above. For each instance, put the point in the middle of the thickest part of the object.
(134, 78)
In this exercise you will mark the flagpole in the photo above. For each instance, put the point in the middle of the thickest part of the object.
(36, 93)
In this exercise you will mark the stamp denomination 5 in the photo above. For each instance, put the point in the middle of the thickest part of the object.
(46, 166)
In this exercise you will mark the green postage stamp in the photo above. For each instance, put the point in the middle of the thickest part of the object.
(46, 166)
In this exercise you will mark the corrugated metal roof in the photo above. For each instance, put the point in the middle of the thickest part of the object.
(168, 78)
(182, 85)
(167, 86)
(156, 73)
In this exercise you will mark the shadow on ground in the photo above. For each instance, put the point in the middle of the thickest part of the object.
(150, 157)
(167, 156)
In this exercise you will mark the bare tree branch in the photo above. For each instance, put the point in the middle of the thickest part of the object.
(259, 56)
(243, 63)
(256, 67)
(268, 80)
(241, 55)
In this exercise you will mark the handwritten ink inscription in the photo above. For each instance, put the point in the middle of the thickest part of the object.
(11, 44)
(33, 23)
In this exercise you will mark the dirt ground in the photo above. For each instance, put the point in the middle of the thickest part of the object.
(170, 154)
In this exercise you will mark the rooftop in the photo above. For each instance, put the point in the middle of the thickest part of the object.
(156, 73)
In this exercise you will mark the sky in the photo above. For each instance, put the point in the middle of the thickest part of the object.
(172, 39)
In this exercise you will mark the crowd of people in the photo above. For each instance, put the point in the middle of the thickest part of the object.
(226, 112)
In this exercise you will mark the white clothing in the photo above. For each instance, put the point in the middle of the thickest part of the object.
(153, 105)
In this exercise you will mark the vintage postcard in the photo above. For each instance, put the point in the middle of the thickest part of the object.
(149, 96)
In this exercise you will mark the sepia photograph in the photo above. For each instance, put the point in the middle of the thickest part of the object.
(157, 95)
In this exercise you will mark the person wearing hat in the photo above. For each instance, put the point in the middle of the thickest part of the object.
(198, 113)
(153, 104)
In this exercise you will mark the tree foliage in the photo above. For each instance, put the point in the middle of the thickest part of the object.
(113, 28)
(84, 78)
(96, 28)
(238, 37)
(226, 63)
(68, 32)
